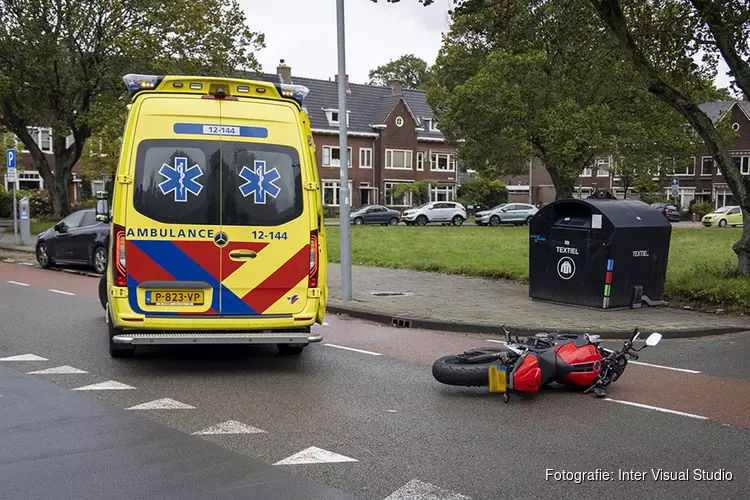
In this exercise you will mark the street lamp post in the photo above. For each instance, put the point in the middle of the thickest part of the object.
(344, 195)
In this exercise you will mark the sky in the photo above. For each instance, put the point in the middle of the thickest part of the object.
(303, 33)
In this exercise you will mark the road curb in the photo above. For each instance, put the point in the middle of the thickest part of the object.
(16, 248)
(465, 327)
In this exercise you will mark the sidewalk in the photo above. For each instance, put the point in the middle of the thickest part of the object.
(478, 305)
(7, 243)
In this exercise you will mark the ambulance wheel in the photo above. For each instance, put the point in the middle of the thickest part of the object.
(290, 349)
(103, 291)
(118, 350)
(451, 370)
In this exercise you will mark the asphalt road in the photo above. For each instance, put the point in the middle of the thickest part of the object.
(397, 433)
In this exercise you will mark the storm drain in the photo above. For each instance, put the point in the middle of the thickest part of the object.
(400, 323)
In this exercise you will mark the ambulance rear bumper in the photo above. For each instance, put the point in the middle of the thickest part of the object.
(159, 338)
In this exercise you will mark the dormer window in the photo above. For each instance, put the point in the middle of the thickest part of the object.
(332, 115)
(430, 124)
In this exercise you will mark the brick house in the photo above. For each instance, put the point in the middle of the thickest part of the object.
(700, 180)
(392, 138)
(29, 178)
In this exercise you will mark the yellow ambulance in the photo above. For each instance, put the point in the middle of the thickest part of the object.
(216, 217)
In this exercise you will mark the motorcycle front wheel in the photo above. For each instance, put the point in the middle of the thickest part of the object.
(451, 370)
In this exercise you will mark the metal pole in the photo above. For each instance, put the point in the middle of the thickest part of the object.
(344, 195)
(15, 213)
(531, 166)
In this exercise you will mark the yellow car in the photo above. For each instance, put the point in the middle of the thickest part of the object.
(723, 217)
(217, 233)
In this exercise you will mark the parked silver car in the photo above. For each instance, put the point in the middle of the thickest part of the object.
(506, 213)
(445, 212)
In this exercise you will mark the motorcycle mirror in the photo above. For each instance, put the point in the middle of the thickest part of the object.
(653, 339)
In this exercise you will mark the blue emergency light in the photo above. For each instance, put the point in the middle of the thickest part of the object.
(135, 82)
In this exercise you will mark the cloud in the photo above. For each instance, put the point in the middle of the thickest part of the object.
(303, 33)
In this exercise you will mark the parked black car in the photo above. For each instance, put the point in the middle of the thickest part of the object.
(375, 214)
(77, 239)
(671, 212)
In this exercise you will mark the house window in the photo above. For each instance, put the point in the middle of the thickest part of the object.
(689, 170)
(420, 160)
(333, 116)
(365, 158)
(42, 137)
(26, 180)
(602, 167)
(587, 172)
(96, 186)
(707, 165)
(742, 163)
(332, 156)
(442, 193)
(398, 159)
(332, 193)
(443, 161)
(393, 202)
(431, 124)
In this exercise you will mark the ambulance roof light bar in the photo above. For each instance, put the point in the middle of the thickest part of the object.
(135, 82)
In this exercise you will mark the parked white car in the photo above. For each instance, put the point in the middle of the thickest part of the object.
(507, 213)
(444, 212)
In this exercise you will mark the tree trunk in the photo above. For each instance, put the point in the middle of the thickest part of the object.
(60, 199)
(563, 186)
(610, 11)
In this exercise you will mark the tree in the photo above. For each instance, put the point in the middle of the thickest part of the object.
(484, 191)
(419, 191)
(522, 78)
(661, 41)
(61, 65)
(410, 70)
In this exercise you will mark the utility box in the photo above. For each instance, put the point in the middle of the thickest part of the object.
(597, 253)
(25, 221)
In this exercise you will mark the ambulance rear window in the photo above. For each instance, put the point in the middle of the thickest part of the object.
(213, 182)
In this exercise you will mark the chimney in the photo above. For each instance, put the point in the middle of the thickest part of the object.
(348, 90)
(284, 72)
(395, 86)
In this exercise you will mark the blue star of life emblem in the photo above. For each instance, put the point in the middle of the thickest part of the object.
(260, 182)
(180, 179)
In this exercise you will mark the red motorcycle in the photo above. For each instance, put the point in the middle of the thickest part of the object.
(525, 366)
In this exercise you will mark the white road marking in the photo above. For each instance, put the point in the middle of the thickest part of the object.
(392, 411)
(162, 404)
(649, 407)
(314, 455)
(17, 283)
(58, 369)
(419, 490)
(496, 341)
(230, 427)
(24, 357)
(60, 292)
(109, 385)
(353, 349)
(325, 324)
(665, 367)
(26, 264)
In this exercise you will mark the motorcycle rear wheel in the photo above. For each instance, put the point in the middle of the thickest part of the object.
(451, 370)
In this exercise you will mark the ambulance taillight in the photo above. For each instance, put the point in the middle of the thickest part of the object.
(121, 278)
(312, 281)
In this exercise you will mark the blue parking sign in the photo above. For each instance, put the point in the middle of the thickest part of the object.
(675, 181)
(11, 158)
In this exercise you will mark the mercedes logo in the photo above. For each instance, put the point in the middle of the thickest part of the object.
(220, 239)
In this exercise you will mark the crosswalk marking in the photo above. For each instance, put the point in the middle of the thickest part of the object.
(230, 427)
(24, 357)
(109, 385)
(58, 369)
(314, 455)
(162, 404)
(419, 490)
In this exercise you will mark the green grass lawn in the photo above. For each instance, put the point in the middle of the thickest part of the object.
(36, 227)
(700, 270)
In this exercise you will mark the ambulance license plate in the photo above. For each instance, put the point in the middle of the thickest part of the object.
(174, 297)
